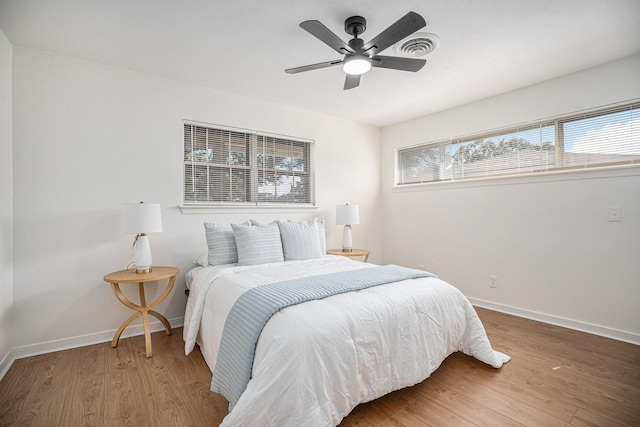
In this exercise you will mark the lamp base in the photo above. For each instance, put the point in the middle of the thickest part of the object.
(143, 260)
(347, 240)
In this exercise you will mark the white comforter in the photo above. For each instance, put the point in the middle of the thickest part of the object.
(316, 361)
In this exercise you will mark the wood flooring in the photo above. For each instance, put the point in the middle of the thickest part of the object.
(557, 377)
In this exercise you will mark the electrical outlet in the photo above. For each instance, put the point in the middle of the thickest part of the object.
(615, 214)
(493, 281)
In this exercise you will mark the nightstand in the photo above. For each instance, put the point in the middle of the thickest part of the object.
(353, 253)
(144, 310)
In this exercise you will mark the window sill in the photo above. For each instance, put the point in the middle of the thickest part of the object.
(532, 178)
(204, 209)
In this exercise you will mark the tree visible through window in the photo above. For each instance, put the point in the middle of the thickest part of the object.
(223, 166)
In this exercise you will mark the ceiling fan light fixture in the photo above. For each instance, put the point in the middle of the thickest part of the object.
(357, 64)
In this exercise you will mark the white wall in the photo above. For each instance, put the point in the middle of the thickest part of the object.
(89, 138)
(6, 205)
(557, 257)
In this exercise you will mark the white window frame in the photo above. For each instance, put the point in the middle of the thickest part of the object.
(555, 167)
(253, 200)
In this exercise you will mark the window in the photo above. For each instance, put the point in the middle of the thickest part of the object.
(232, 166)
(602, 138)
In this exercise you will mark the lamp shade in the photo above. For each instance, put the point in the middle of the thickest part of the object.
(141, 218)
(347, 214)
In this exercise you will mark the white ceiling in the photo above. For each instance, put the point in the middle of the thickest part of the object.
(486, 47)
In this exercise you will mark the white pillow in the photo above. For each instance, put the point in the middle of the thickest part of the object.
(202, 260)
(258, 244)
(221, 243)
(300, 240)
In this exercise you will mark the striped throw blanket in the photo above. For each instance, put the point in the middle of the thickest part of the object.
(254, 308)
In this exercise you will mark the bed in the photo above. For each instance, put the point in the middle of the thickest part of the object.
(315, 361)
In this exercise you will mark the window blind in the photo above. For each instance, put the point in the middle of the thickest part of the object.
(283, 170)
(605, 137)
(223, 166)
(610, 136)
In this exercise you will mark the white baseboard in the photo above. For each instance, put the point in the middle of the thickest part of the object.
(590, 328)
(6, 363)
(79, 341)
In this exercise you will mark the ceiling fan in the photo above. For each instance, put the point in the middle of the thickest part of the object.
(359, 56)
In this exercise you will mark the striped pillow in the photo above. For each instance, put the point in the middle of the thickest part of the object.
(258, 244)
(321, 233)
(221, 243)
(300, 240)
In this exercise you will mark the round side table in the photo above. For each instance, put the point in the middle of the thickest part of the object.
(144, 310)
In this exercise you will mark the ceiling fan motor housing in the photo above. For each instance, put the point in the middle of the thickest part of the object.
(356, 44)
(355, 25)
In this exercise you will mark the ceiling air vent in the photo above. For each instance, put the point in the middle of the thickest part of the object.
(418, 44)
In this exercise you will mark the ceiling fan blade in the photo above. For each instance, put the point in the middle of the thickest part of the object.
(398, 63)
(352, 80)
(313, 66)
(317, 29)
(403, 27)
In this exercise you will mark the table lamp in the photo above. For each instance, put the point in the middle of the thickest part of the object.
(347, 215)
(140, 219)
